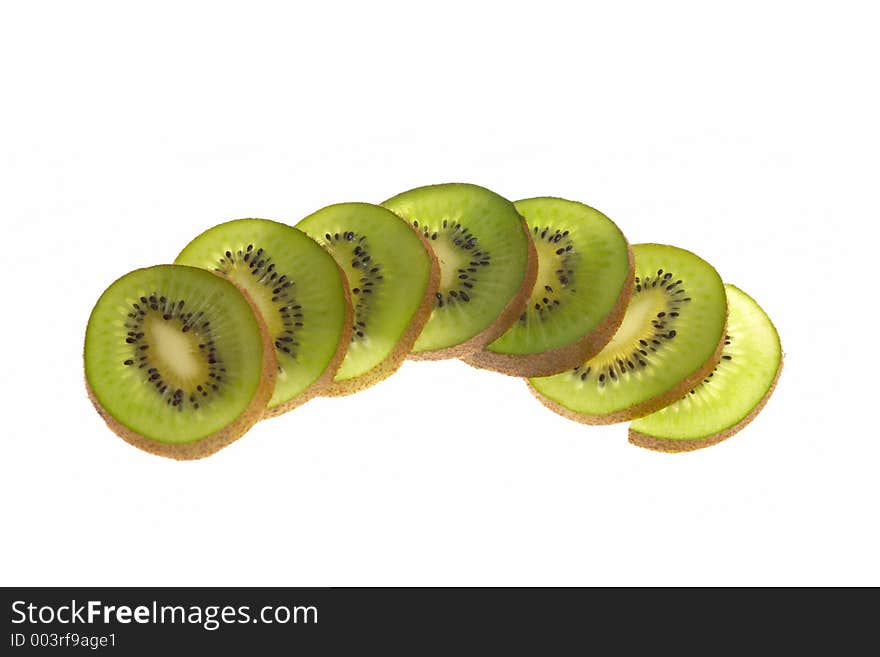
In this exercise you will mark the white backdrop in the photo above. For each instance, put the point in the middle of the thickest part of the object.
(746, 133)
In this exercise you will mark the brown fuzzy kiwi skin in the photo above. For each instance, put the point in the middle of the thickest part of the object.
(554, 361)
(322, 384)
(508, 315)
(673, 446)
(649, 405)
(391, 363)
(214, 442)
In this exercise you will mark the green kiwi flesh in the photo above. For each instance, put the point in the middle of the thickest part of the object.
(585, 279)
(670, 339)
(730, 396)
(392, 277)
(177, 362)
(299, 290)
(487, 264)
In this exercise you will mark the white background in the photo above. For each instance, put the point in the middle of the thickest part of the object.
(746, 132)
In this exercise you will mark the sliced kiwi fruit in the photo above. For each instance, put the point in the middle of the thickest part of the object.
(392, 275)
(299, 290)
(585, 280)
(488, 265)
(670, 339)
(731, 395)
(177, 361)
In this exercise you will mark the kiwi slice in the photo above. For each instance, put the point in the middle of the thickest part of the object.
(392, 275)
(177, 361)
(670, 339)
(299, 290)
(487, 262)
(585, 280)
(730, 396)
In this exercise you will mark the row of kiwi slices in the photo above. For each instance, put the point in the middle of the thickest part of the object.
(256, 317)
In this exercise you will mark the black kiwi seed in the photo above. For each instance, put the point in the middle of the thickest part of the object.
(467, 280)
(171, 311)
(360, 258)
(263, 269)
(563, 270)
(662, 329)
